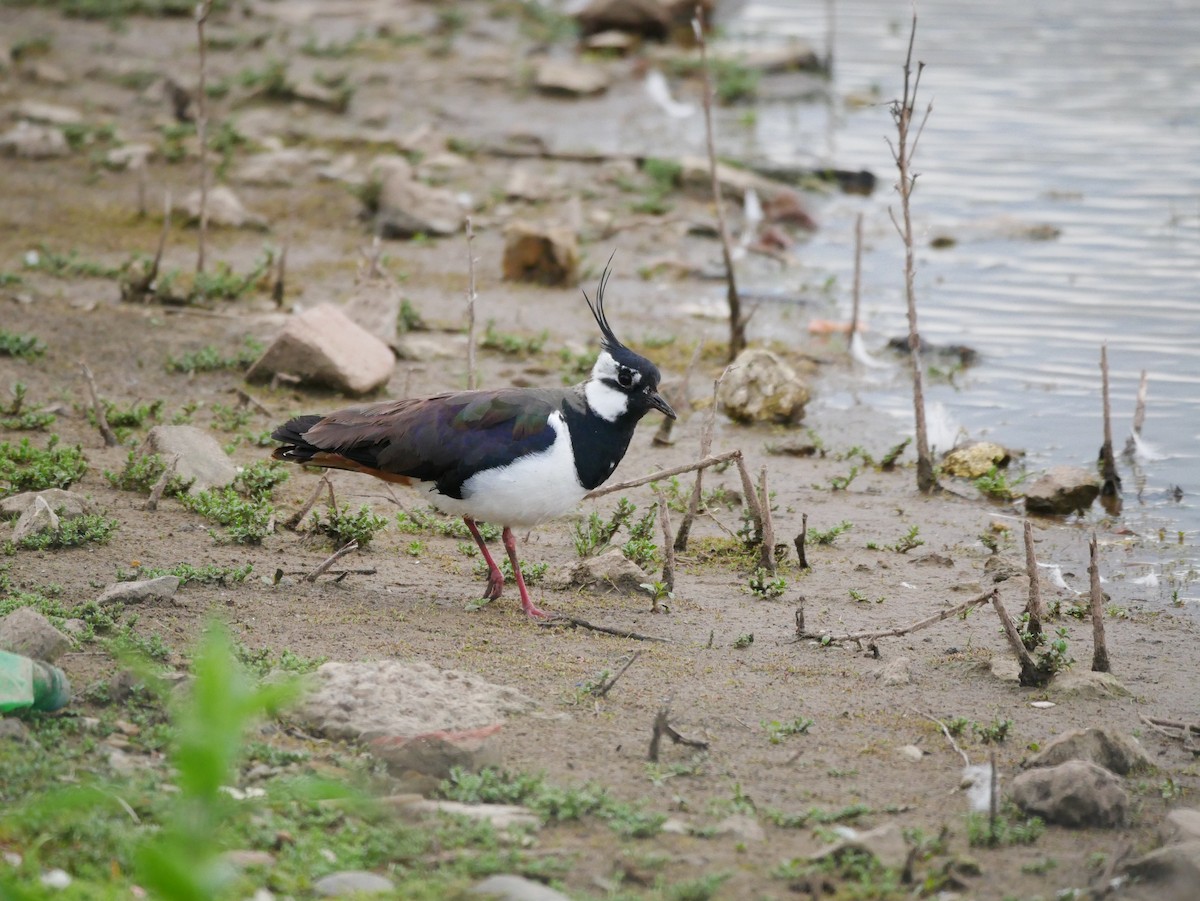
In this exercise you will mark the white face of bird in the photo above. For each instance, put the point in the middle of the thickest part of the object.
(610, 386)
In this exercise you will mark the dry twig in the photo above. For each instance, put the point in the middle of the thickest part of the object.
(1139, 414)
(737, 322)
(1034, 605)
(160, 486)
(857, 278)
(1108, 463)
(664, 520)
(604, 689)
(471, 296)
(665, 474)
(800, 541)
(110, 437)
(766, 550)
(299, 516)
(1031, 672)
(860, 637)
(1099, 645)
(561, 619)
(706, 436)
(203, 8)
(333, 558)
(902, 153)
(662, 726)
(950, 738)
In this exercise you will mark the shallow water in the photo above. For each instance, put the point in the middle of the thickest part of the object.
(1084, 117)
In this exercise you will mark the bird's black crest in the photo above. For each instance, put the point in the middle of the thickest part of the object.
(610, 340)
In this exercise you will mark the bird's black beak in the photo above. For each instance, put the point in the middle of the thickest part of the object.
(659, 403)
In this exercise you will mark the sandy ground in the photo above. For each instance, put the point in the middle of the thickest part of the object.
(415, 608)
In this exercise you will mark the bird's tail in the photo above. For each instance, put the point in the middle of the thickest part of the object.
(295, 449)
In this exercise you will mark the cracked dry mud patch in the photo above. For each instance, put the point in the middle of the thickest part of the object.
(414, 608)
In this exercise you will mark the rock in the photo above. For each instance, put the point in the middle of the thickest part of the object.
(46, 73)
(46, 113)
(426, 346)
(244, 858)
(533, 186)
(1087, 684)
(742, 827)
(161, 589)
(911, 752)
(611, 43)
(760, 387)
(656, 20)
(129, 156)
(202, 460)
(735, 182)
(794, 56)
(1001, 568)
(404, 207)
(1074, 793)
(504, 887)
(375, 305)
(323, 346)
(565, 76)
(974, 459)
(1007, 669)
(124, 684)
(885, 843)
(437, 753)
(65, 504)
(25, 631)
(897, 672)
(610, 572)
(225, 209)
(352, 882)
(34, 142)
(387, 698)
(275, 168)
(1112, 750)
(786, 207)
(12, 729)
(1180, 825)
(502, 816)
(37, 518)
(1062, 490)
(544, 254)
(1172, 873)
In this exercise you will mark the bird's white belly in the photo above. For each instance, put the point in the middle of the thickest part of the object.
(529, 491)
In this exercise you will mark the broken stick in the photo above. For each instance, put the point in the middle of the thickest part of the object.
(561, 619)
(664, 520)
(662, 726)
(1108, 464)
(1031, 673)
(766, 550)
(1034, 605)
(333, 558)
(665, 474)
(800, 540)
(110, 437)
(860, 637)
(1100, 647)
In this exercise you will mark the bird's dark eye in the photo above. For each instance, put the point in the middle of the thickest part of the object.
(625, 377)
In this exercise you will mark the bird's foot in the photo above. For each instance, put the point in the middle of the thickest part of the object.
(495, 585)
(535, 612)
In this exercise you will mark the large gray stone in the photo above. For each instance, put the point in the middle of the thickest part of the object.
(37, 518)
(760, 387)
(1087, 684)
(1075, 793)
(435, 754)
(201, 457)
(502, 816)
(406, 207)
(25, 631)
(34, 142)
(1171, 873)
(65, 504)
(352, 882)
(1110, 749)
(324, 346)
(546, 254)
(389, 699)
(974, 459)
(611, 572)
(161, 589)
(375, 305)
(224, 208)
(570, 77)
(504, 887)
(1180, 825)
(1062, 490)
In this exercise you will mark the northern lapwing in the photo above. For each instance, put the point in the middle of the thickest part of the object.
(511, 457)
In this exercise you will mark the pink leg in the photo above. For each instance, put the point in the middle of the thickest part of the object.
(495, 577)
(510, 545)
